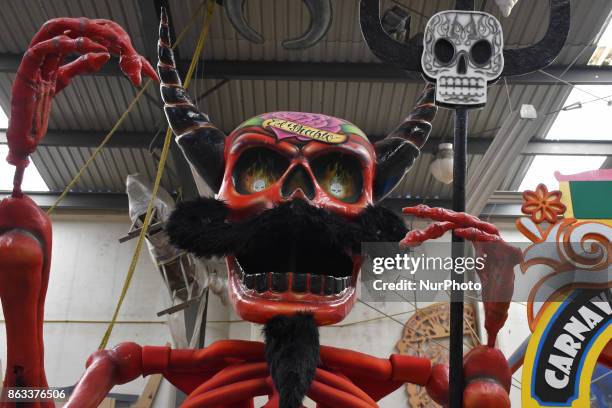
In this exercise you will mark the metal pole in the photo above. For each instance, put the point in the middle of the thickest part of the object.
(456, 309)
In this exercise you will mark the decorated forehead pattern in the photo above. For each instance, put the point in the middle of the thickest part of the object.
(306, 127)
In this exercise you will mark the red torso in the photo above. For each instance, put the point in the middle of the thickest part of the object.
(231, 373)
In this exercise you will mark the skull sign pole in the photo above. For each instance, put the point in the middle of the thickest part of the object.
(463, 53)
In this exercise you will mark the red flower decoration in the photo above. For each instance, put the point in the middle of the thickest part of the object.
(542, 205)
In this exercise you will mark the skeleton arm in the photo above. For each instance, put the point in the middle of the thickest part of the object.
(186, 369)
(105, 369)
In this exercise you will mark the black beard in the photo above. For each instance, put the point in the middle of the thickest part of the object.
(202, 228)
(292, 353)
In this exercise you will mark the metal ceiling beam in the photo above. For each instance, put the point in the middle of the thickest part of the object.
(119, 202)
(569, 148)
(142, 140)
(536, 147)
(85, 138)
(354, 72)
(79, 201)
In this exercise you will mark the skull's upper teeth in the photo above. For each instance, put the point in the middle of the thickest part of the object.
(460, 82)
(300, 282)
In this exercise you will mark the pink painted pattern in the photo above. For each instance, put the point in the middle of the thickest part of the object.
(315, 120)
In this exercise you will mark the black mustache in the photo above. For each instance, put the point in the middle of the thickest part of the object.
(201, 227)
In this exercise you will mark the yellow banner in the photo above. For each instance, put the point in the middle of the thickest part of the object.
(306, 131)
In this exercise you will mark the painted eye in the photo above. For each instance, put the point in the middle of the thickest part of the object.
(444, 51)
(257, 169)
(339, 175)
(481, 52)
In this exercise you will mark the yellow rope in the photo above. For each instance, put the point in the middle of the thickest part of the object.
(121, 119)
(160, 172)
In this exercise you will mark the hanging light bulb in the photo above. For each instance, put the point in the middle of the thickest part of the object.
(442, 167)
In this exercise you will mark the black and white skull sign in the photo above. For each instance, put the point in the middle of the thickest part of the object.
(463, 53)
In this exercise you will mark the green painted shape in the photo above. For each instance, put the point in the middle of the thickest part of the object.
(256, 121)
(592, 199)
(350, 128)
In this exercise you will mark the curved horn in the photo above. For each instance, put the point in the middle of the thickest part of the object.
(320, 21)
(405, 55)
(528, 59)
(396, 153)
(235, 14)
(202, 143)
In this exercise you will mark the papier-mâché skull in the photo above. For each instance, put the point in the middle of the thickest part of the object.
(296, 196)
(463, 53)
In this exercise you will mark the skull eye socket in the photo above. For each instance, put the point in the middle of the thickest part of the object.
(339, 175)
(257, 169)
(444, 51)
(481, 52)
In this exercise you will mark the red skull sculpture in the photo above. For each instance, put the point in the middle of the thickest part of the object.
(282, 156)
(279, 158)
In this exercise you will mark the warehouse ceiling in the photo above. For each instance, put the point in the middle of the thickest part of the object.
(237, 79)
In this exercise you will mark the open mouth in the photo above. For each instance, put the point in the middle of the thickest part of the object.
(298, 268)
(297, 278)
(288, 259)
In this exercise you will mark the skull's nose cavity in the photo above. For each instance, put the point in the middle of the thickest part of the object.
(462, 65)
(298, 179)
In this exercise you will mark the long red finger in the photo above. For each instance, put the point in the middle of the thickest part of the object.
(60, 45)
(105, 32)
(84, 27)
(477, 235)
(433, 231)
(442, 214)
(132, 64)
(148, 69)
(491, 244)
(85, 64)
(49, 66)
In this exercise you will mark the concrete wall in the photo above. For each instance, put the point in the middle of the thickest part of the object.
(88, 269)
(87, 273)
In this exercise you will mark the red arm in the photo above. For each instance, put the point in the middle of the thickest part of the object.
(186, 369)
(25, 230)
(25, 257)
(497, 276)
(105, 369)
(486, 370)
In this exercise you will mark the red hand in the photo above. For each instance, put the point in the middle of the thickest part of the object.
(487, 377)
(497, 276)
(41, 76)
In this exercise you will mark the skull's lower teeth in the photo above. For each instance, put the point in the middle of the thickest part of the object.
(300, 283)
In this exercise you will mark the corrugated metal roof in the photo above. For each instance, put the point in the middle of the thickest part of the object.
(277, 20)
(95, 103)
(58, 165)
(22, 19)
